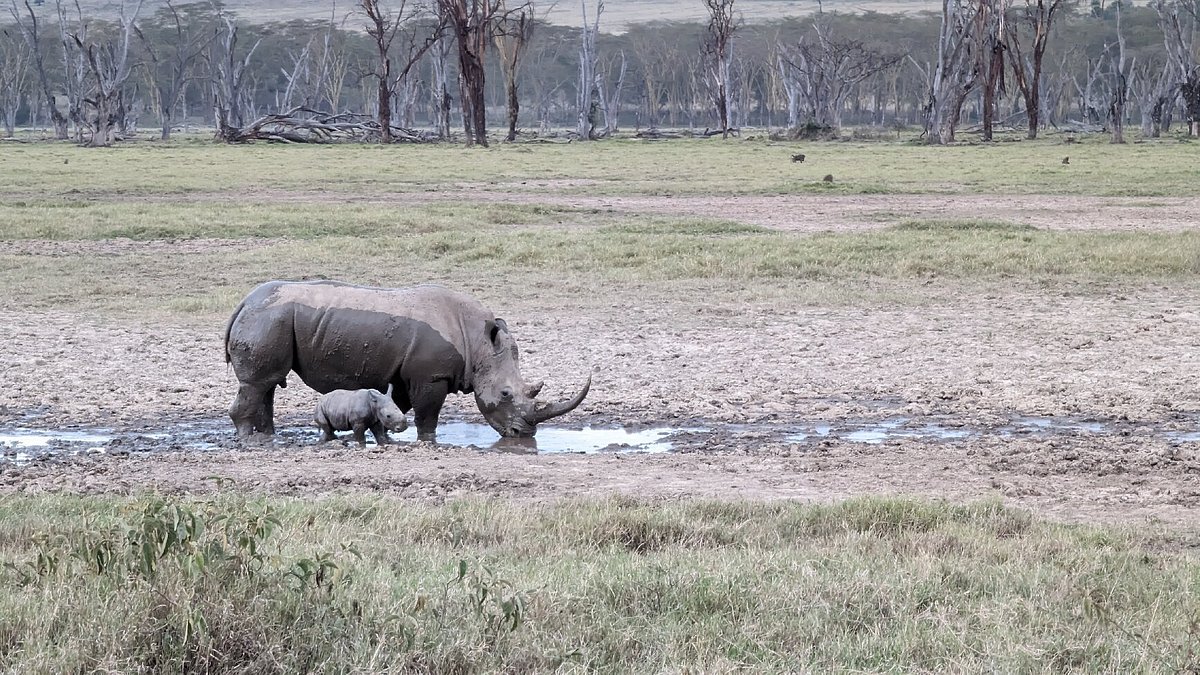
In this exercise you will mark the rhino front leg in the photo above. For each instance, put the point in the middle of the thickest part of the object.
(360, 433)
(427, 403)
(246, 411)
(380, 433)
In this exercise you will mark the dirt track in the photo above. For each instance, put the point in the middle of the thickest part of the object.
(683, 355)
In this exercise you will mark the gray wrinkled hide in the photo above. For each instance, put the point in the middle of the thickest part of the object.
(359, 410)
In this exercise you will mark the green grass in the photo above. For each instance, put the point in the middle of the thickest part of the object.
(338, 584)
(463, 244)
(247, 174)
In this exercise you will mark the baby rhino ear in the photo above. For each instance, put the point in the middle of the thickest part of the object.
(388, 393)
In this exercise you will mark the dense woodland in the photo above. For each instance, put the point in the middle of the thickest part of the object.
(407, 72)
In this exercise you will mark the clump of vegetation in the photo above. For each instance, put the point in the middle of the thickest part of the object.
(613, 585)
(206, 587)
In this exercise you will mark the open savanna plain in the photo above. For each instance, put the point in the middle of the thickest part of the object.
(1041, 316)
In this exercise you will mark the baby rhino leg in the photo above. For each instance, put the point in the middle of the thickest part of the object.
(380, 433)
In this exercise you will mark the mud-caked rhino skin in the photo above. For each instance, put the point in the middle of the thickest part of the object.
(424, 341)
(358, 410)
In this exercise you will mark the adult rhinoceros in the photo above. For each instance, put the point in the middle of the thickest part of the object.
(427, 341)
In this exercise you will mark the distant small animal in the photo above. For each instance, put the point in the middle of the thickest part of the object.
(66, 161)
(828, 178)
(1066, 160)
(358, 410)
(799, 157)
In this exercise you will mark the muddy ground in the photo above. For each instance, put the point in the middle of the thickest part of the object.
(744, 366)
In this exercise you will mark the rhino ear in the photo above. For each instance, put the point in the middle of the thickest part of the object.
(494, 327)
(388, 393)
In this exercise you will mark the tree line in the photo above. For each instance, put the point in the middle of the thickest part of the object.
(412, 70)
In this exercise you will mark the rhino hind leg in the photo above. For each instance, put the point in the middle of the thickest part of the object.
(266, 412)
(360, 434)
(327, 433)
(427, 401)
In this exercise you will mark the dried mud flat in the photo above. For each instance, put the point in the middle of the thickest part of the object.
(688, 356)
(743, 364)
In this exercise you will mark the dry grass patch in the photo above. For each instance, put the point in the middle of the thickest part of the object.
(612, 585)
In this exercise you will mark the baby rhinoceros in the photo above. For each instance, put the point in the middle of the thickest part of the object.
(358, 410)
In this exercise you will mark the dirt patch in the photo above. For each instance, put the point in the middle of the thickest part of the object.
(683, 355)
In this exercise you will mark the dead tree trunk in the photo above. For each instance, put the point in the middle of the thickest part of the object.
(1154, 88)
(512, 35)
(1118, 85)
(110, 67)
(172, 60)
(610, 98)
(14, 71)
(440, 90)
(722, 24)
(587, 105)
(991, 30)
(1038, 16)
(822, 75)
(28, 26)
(1179, 23)
(228, 79)
(955, 74)
(472, 23)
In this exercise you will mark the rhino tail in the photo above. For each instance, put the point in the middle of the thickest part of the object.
(229, 329)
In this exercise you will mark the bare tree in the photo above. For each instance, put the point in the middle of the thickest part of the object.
(383, 27)
(587, 94)
(27, 24)
(1154, 87)
(14, 75)
(512, 35)
(1092, 97)
(472, 22)
(1038, 16)
(173, 60)
(955, 74)
(722, 24)
(75, 66)
(1118, 83)
(228, 83)
(653, 56)
(1179, 22)
(297, 77)
(440, 91)
(991, 30)
(819, 75)
(109, 66)
(332, 66)
(609, 97)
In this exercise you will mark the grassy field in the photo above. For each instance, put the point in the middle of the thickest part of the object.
(340, 585)
(308, 211)
(239, 584)
(680, 167)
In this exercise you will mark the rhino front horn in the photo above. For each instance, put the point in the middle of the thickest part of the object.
(543, 412)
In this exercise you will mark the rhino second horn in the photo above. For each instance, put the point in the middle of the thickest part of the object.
(541, 414)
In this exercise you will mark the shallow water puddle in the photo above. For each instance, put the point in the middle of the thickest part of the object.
(904, 427)
(552, 440)
(22, 445)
